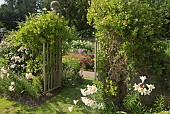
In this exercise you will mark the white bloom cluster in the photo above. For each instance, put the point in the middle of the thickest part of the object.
(88, 102)
(21, 49)
(141, 87)
(92, 103)
(28, 76)
(17, 59)
(3, 73)
(89, 90)
(12, 86)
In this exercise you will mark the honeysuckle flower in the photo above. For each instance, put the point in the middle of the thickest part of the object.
(13, 58)
(75, 101)
(29, 76)
(12, 83)
(143, 78)
(70, 109)
(150, 86)
(142, 90)
(11, 88)
(136, 86)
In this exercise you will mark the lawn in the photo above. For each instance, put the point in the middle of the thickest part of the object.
(56, 105)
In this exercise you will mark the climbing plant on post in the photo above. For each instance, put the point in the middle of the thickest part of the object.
(44, 36)
(129, 33)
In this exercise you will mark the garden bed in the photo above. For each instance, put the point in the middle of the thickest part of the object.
(31, 101)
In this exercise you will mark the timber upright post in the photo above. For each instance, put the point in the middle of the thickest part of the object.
(58, 44)
(52, 58)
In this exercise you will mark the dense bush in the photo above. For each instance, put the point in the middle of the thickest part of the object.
(87, 62)
(130, 35)
(21, 53)
(81, 47)
(71, 75)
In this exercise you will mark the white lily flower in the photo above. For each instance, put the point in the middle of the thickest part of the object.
(83, 92)
(150, 86)
(143, 78)
(142, 90)
(147, 92)
(12, 83)
(70, 109)
(136, 86)
(75, 101)
(29, 76)
(11, 88)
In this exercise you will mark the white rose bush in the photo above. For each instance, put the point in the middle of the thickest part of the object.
(15, 76)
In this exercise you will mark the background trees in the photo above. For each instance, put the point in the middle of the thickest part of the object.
(15, 10)
(74, 11)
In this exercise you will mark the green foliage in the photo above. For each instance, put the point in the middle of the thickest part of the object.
(21, 53)
(76, 14)
(87, 62)
(71, 75)
(159, 104)
(133, 104)
(86, 46)
(130, 34)
(14, 11)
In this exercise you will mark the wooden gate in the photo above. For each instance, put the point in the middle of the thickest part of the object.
(52, 59)
(52, 64)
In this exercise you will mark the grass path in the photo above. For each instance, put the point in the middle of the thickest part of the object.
(57, 105)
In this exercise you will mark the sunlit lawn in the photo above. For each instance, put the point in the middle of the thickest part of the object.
(57, 105)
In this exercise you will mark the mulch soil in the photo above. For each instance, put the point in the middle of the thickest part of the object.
(31, 101)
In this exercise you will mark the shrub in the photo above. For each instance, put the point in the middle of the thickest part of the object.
(87, 62)
(85, 46)
(130, 34)
(70, 75)
(21, 53)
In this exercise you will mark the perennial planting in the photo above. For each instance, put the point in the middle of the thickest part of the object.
(88, 100)
(143, 89)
